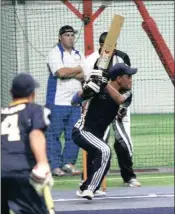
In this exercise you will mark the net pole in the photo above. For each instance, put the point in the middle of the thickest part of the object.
(88, 27)
(157, 40)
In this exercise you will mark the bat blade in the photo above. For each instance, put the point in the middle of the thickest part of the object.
(110, 42)
(48, 200)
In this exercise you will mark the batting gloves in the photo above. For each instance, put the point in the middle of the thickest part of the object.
(40, 177)
(90, 89)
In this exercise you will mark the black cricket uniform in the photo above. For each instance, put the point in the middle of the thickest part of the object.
(123, 144)
(88, 134)
(17, 122)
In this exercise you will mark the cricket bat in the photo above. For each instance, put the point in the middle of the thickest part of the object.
(110, 42)
(48, 200)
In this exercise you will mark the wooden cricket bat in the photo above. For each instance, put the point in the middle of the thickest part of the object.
(48, 200)
(110, 42)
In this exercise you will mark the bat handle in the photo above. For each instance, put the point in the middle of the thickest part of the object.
(48, 200)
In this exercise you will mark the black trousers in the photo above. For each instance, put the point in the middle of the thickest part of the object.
(19, 196)
(124, 150)
(100, 156)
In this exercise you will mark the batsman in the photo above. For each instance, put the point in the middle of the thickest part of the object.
(103, 104)
(123, 145)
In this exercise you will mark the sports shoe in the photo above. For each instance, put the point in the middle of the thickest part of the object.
(58, 172)
(133, 182)
(88, 194)
(97, 193)
(79, 193)
(70, 169)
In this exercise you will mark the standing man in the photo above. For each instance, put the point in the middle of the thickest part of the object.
(24, 165)
(121, 125)
(66, 66)
(102, 108)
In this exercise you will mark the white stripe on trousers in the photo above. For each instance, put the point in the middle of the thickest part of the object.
(106, 153)
(125, 139)
(106, 133)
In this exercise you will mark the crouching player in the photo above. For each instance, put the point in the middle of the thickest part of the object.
(100, 111)
(24, 169)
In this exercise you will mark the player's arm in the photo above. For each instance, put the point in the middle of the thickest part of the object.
(79, 76)
(115, 94)
(90, 88)
(57, 67)
(86, 70)
(74, 72)
(77, 99)
(122, 112)
(40, 175)
(38, 146)
(67, 72)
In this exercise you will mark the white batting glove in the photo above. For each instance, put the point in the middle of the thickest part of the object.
(98, 73)
(40, 177)
(99, 77)
(121, 112)
(127, 94)
(90, 89)
(91, 86)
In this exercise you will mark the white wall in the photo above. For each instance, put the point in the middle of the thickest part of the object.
(37, 29)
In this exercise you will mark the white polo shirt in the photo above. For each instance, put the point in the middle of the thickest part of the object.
(61, 91)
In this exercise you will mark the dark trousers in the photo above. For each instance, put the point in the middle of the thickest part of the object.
(19, 196)
(100, 154)
(124, 150)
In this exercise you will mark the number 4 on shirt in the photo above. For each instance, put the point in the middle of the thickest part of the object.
(9, 126)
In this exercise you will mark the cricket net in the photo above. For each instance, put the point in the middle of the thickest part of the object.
(29, 29)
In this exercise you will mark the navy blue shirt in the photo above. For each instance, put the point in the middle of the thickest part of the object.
(16, 124)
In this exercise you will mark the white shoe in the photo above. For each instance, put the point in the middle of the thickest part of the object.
(79, 193)
(88, 194)
(134, 183)
(99, 193)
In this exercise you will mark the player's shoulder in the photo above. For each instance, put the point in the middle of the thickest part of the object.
(40, 112)
(34, 107)
(80, 53)
(12, 109)
(54, 51)
(124, 56)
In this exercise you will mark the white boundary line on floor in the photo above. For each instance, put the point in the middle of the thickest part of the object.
(117, 178)
(116, 197)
